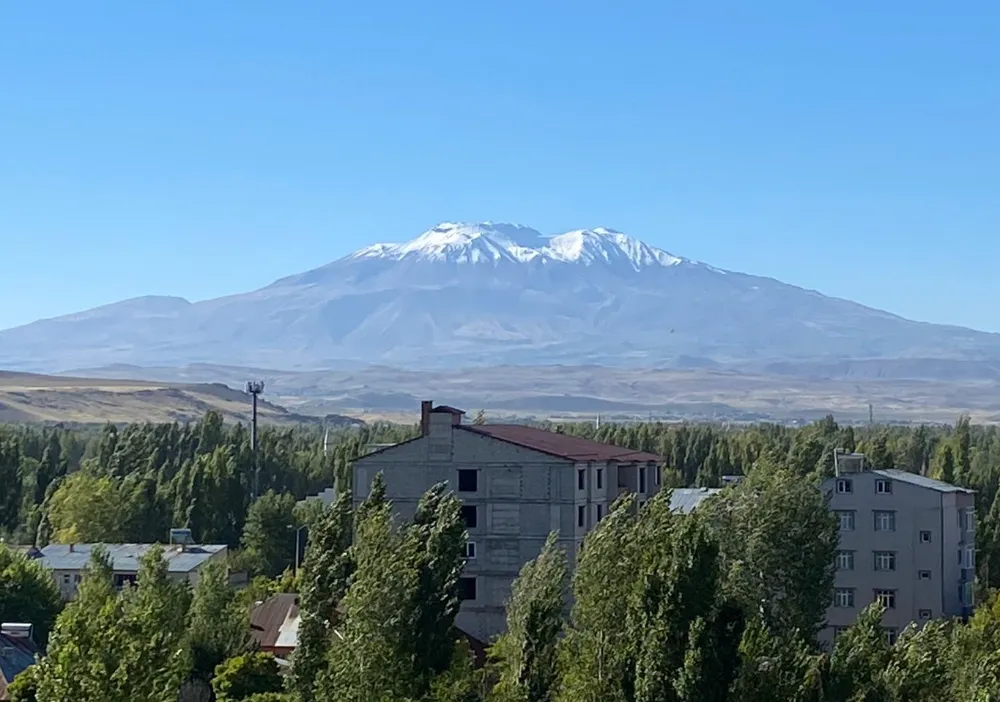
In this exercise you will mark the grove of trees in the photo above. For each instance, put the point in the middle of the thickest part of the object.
(658, 606)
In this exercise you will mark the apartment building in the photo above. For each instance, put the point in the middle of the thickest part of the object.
(906, 540)
(516, 484)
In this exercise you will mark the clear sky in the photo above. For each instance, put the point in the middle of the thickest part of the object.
(205, 148)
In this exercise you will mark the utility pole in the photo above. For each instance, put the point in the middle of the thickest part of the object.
(254, 388)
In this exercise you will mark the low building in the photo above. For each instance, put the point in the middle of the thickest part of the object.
(67, 562)
(17, 653)
(517, 484)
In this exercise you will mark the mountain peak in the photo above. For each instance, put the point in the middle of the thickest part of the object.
(494, 242)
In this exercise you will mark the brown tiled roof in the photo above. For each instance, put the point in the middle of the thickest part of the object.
(573, 448)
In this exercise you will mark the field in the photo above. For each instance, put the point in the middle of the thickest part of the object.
(27, 397)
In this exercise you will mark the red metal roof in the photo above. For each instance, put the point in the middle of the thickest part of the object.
(573, 448)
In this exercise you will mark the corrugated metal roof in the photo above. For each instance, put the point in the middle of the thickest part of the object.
(573, 448)
(686, 500)
(920, 481)
(267, 618)
(125, 557)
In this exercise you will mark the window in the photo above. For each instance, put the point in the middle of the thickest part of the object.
(581, 479)
(846, 520)
(581, 516)
(969, 594)
(926, 614)
(843, 597)
(466, 589)
(883, 487)
(77, 578)
(65, 578)
(600, 512)
(886, 598)
(659, 474)
(885, 560)
(642, 480)
(890, 636)
(600, 478)
(470, 550)
(470, 515)
(844, 486)
(970, 520)
(925, 537)
(845, 560)
(885, 521)
(969, 561)
(924, 575)
(468, 480)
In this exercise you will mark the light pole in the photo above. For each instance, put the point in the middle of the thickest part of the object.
(298, 548)
(254, 388)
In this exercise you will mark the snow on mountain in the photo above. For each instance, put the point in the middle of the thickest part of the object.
(470, 294)
(488, 242)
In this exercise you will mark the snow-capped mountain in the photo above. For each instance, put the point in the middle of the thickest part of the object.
(490, 243)
(490, 293)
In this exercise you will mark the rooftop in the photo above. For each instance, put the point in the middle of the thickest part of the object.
(16, 654)
(686, 500)
(573, 448)
(125, 557)
(920, 481)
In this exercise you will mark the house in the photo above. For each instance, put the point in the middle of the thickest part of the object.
(67, 562)
(905, 540)
(274, 627)
(17, 653)
(517, 484)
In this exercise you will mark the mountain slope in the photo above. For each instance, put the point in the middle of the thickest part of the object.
(487, 294)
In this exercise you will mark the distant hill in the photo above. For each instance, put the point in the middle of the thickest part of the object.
(464, 295)
(27, 397)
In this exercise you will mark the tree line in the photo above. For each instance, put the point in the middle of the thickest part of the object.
(134, 483)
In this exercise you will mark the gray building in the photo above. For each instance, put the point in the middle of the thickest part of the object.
(67, 562)
(516, 484)
(906, 540)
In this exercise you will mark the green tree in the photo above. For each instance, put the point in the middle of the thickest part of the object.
(268, 537)
(117, 648)
(86, 509)
(777, 536)
(324, 576)
(27, 593)
(242, 677)
(10, 478)
(525, 656)
(218, 625)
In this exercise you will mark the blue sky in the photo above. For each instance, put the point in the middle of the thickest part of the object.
(200, 149)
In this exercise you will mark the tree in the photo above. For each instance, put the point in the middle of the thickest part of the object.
(438, 537)
(218, 625)
(525, 656)
(324, 577)
(778, 543)
(946, 465)
(244, 676)
(86, 509)
(27, 593)
(597, 651)
(118, 648)
(268, 537)
(10, 478)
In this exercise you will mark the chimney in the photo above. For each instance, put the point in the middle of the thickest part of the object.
(425, 417)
